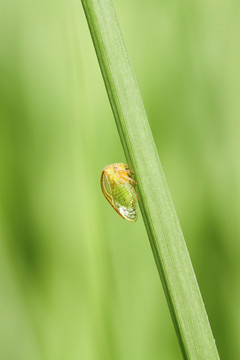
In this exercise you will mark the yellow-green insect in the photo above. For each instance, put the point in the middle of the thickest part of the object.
(117, 187)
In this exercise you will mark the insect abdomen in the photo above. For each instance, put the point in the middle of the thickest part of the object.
(125, 202)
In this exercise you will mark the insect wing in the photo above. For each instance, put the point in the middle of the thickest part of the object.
(124, 201)
(119, 192)
(107, 188)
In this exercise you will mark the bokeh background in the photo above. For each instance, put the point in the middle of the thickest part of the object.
(76, 280)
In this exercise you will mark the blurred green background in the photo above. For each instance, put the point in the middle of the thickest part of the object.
(76, 280)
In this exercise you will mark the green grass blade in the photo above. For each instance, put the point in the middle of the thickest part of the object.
(164, 231)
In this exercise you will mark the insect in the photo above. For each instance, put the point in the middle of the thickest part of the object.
(117, 186)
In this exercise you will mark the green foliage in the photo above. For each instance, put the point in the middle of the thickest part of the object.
(72, 285)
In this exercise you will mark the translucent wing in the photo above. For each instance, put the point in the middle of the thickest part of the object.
(124, 201)
(121, 196)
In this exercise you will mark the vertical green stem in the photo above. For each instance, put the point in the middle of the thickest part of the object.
(163, 228)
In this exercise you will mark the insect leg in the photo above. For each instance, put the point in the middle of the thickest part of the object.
(128, 178)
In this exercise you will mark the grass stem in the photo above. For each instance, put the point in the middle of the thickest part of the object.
(163, 228)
